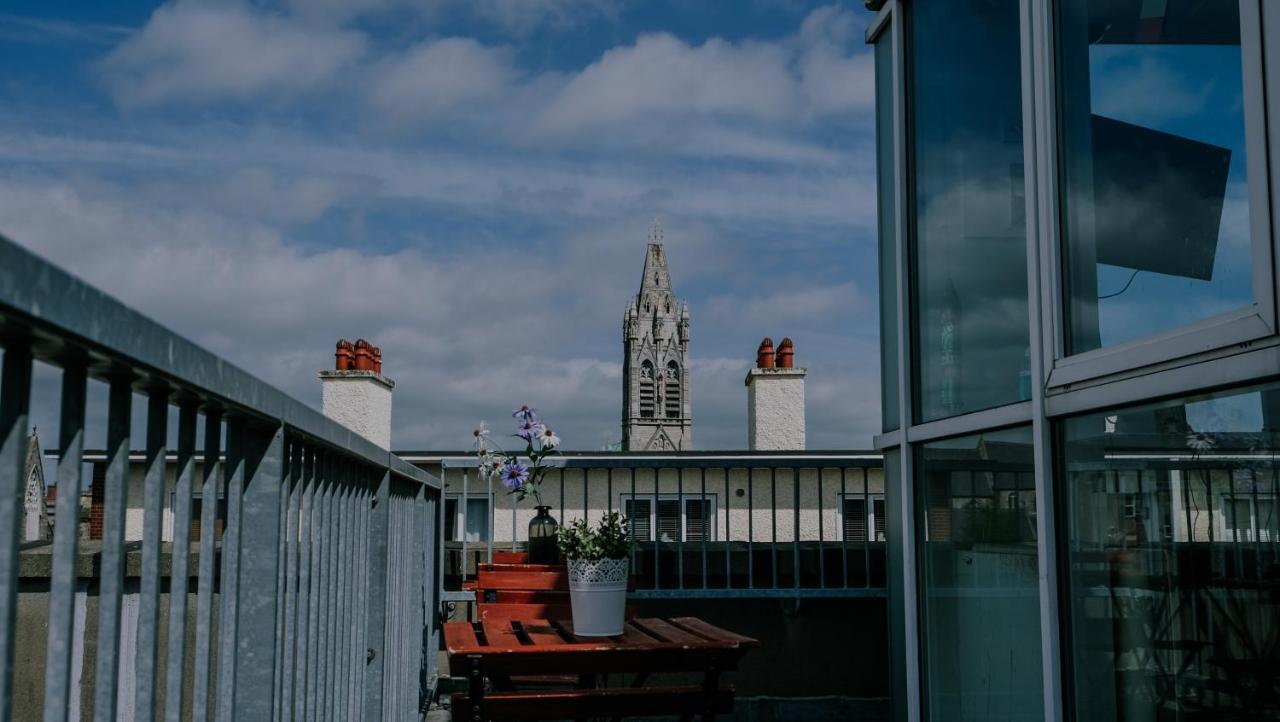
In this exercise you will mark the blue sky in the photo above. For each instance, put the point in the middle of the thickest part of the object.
(468, 184)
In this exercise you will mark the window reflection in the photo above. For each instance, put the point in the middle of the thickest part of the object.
(1155, 176)
(969, 207)
(1174, 559)
(979, 572)
(888, 229)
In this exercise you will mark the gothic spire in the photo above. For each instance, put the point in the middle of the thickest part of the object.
(655, 276)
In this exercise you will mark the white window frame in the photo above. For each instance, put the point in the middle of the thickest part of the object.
(460, 520)
(1254, 533)
(1215, 333)
(873, 537)
(652, 498)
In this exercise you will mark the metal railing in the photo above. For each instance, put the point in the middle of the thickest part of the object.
(317, 603)
(762, 525)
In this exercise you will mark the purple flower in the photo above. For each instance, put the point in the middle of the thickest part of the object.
(525, 413)
(514, 475)
(529, 429)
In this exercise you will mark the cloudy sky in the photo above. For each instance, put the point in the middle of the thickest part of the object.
(468, 184)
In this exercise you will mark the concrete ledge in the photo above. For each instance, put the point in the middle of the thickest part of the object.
(35, 560)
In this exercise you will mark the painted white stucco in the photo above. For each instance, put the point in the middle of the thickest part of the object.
(775, 409)
(360, 401)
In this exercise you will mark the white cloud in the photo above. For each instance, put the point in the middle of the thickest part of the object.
(437, 77)
(197, 52)
(1138, 87)
(661, 74)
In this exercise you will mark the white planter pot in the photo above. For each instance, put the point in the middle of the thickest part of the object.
(598, 593)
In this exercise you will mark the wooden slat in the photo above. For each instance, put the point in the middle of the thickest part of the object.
(460, 635)
(523, 611)
(524, 581)
(562, 704)
(712, 632)
(498, 567)
(669, 632)
(509, 557)
(540, 633)
(499, 635)
(523, 597)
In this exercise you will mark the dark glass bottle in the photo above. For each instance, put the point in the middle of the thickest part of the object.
(542, 537)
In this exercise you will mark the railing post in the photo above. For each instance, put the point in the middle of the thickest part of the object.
(428, 502)
(149, 598)
(376, 571)
(15, 400)
(257, 590)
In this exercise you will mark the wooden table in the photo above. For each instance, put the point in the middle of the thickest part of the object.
(499, 649)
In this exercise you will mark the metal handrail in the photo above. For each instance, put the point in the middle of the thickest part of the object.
(326, 566)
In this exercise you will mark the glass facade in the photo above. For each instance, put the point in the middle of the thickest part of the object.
(979, 577)
(969, 201)
(1149, 474)
(1155, 172)
(1172, 545)
(888, 232)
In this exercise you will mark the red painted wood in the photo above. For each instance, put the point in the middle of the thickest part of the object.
(561, 704)
(523, 581)
(493, 610)
(509, 557)
(711, 632)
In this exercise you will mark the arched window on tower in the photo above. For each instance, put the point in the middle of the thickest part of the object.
(646, 390)
(671, 391)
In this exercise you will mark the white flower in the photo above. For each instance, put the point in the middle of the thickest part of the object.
(548, 439)
(481, 434)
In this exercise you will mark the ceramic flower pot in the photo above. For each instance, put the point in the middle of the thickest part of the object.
(598, 595)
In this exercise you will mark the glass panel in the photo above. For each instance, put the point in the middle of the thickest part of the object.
(969, 207)
(697, 519)
(1155, 176)
(477, 519)
(886, 193)
(638, 513)
(451, 519)
(980, 582)
(1174, 580)
(668, 520)
(855, 519)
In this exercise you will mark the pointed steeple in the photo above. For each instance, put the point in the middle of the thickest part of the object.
(655, 277)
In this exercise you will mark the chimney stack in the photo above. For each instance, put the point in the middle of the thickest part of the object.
(775, 399)
(356, 394)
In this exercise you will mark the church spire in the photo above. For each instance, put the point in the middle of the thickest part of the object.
(655, 406)
(655, 276)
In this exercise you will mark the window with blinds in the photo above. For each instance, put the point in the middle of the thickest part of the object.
(668, 520)
(671, 392)
(858, 518)
(647, 397)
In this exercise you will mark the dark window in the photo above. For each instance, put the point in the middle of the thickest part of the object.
(968, 231)
(1155, 167)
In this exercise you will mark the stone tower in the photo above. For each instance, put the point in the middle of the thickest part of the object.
(656, 403)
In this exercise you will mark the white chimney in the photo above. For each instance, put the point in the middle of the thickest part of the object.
(356, 394)
(775, 400)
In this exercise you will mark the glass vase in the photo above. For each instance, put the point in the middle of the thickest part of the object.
(542, 537)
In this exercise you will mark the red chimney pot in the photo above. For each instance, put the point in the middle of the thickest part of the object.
(377, 359)
(343, 358)
(786, 354)
(364, 359)
(764, 355)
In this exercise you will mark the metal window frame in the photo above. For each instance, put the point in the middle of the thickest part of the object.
(1184, 343)
(872, 497)
(459, 515)
(683, 500)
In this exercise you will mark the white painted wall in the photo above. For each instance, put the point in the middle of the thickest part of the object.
(738, 518)
(360, 401)
(775, 409)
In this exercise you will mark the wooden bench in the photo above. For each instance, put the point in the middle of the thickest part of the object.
(499, 651)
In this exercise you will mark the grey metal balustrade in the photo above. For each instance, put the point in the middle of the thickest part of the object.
(317, 602)
(704, 524)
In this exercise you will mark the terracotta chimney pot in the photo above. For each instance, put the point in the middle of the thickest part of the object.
(764, 355)
(343, 357)
(377, 359)
(364, 359)
(786, 354)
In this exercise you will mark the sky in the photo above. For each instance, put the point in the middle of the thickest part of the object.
(469, 185)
